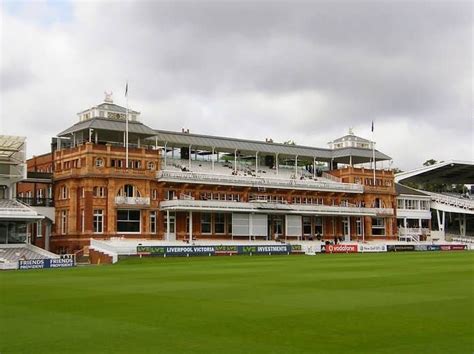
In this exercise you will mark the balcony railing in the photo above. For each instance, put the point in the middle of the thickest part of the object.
(452, 201)
(132, 201)
(304, 184)
(44, 202)
(266, 207)
(413, 230)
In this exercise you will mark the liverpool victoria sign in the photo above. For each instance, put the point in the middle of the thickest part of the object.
(215, 250)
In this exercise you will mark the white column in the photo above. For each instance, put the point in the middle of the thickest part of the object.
(462, 224)
(256, 164)
(441, 219)
(250, 226)
(363, 228)
(235, 161)
(165, 153)
(349, 227)
(189, 158)
(96, 137)
(167, 225)
(296, 166)
(314, 167)
(190, 226)
(212, 159)
(405, 225)
(276, 163)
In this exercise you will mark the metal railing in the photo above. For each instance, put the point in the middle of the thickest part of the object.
(449, 200)
(45, 202)
(258, 181)
(180, 204)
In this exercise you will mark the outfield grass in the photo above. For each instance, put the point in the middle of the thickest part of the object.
(359, 303)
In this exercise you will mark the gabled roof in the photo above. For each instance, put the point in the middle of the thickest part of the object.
(134, 127)
(351, 137)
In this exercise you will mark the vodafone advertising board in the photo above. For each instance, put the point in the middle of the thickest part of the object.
(341, 248)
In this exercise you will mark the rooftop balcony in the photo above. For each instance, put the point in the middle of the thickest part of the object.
(319, 184)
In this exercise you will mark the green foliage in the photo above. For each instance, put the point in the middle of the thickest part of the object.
(360, 303)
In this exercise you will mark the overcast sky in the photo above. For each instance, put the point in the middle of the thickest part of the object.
(305, 71)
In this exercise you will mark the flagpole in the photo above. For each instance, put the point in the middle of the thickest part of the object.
(126, 129)
(373, 149)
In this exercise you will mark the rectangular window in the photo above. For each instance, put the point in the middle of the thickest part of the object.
(39, 229)
(401, 204)
(153, 222)
(318, 225)
(307, 225)
(128, 221)
(63, 193)
(378, 226)
(219, 223)
(172, 224)
(205, 223)
(98, 221)
(424, 205)
(359, 226)
(99, 192)
(63, 222)
(229, 224)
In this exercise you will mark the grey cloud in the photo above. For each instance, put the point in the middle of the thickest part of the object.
(296, 69)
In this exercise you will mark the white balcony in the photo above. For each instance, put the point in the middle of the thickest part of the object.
(138, 201)
(266, 207)
(320, 184)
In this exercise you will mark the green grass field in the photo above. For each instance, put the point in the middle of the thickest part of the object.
(359, 303)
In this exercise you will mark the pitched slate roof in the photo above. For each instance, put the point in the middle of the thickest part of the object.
(134, 127)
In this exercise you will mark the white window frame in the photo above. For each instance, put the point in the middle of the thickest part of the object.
(98, 221)
(63, 222)
(39, 229)
(153, 223)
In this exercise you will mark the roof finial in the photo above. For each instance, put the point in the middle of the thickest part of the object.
(108, 97)
(350, 131)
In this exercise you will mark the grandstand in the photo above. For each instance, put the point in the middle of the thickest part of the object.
(181, 187)
(11, 254)
(453, 213)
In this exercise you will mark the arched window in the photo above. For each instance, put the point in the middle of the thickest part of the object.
(129, 190)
